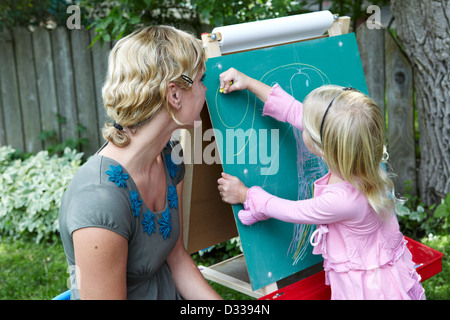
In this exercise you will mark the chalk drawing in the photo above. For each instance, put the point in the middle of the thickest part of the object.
(298, 79)
(304, 78)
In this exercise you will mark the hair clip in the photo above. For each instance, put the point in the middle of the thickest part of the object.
(187, 79)
(117, 126)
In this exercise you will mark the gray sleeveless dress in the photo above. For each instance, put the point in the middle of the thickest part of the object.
(102, 194)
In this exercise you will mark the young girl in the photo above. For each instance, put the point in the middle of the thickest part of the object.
(365, 254)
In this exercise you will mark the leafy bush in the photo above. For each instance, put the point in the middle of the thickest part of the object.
(418, 220)
(443, 210)
(218, 252)
(438, 286)
(31, 192)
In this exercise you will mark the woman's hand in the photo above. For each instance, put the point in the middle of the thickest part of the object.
(231, 189)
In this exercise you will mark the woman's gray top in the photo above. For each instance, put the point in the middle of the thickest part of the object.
(103, 195)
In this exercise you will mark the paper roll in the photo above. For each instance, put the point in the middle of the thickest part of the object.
(270, 32)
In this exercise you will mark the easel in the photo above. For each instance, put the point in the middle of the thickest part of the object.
(207, 219)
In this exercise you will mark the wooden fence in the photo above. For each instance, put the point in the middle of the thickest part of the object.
(45, 73)
(389, 78)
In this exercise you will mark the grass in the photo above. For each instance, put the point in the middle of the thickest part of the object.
(30, 271)
(438, 286)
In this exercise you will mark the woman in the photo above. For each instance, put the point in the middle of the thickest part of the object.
(121, 217)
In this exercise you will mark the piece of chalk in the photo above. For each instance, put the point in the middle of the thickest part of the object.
(223, 89)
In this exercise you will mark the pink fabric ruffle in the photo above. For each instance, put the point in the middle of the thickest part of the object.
(393, 280)
(283, 107)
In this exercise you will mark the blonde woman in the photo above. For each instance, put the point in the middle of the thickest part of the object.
(365, 254)
(121, 216)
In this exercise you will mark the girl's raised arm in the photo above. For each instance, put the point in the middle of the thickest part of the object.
(233, 80)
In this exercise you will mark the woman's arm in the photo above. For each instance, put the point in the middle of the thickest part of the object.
(101, 263)
(188, 279)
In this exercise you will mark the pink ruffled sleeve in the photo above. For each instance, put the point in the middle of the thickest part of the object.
(283, 107)
(330, 207)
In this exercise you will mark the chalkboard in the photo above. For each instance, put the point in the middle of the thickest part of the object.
(265, 152)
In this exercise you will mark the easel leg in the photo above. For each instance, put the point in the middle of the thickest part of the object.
(270, 288)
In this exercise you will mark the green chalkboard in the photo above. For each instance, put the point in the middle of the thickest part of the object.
(264, 152)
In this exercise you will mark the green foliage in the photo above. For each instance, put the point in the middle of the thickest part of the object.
(443, 210)
(418, 220)
(438, 286)
(33, 13)
(219, 13)
(31, 192)
(112, 21)
(219, 252)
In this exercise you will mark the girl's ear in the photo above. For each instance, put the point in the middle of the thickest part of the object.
(174, 95)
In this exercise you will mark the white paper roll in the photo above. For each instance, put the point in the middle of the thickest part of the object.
(244, 36)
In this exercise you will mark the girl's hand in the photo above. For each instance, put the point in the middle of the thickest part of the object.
(231, 189)
(233, 80)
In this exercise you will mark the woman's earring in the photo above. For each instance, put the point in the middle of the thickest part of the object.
(179, 107)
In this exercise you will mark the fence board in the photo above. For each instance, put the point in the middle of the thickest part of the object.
(46, 84)
(2, 122)
(84, 88)
(65, 85)
(399, 91)
(9, 94)
(100, 55)
(370, 45)
(27, 89)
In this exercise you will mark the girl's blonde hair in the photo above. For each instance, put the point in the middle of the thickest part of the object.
(353, 142)
(140, 68)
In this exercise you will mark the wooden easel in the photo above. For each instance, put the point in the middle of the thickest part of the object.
(207, 220)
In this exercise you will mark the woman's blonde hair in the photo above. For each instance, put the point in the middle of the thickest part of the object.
(352, 141)
(140, 68)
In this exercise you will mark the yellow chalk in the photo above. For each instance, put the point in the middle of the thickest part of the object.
(223, 89)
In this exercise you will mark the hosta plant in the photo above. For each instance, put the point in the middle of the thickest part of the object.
(31, 192)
